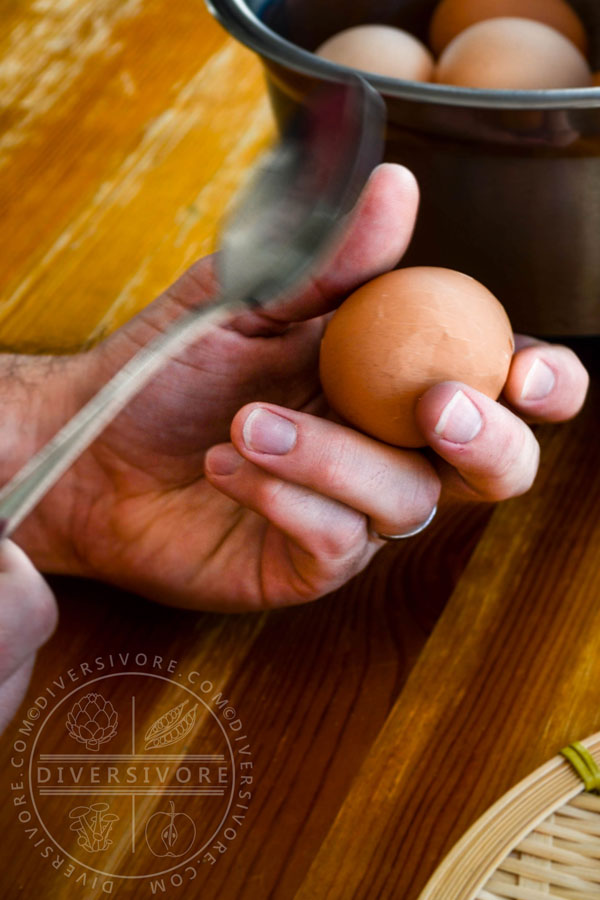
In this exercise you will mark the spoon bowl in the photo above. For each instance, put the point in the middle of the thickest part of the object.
(283, 224)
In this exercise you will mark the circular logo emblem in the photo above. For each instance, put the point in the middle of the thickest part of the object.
(133, 775)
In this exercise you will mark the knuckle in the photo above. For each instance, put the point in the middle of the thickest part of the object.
(344, 542)
(269, 495)
(381, 483)
(335, 466)
(426, 496)
(411, 510)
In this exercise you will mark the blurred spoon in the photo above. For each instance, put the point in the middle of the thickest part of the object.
(285, 222)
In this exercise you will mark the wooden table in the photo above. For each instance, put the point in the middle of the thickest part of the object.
(380, 722)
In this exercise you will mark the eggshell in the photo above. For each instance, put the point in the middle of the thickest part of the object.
(516, 54)
(404, 332)
(381, 50)
(453, 16)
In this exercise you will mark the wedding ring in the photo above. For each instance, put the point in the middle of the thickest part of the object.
(408, 534)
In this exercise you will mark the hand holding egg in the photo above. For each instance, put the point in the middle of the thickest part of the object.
(401, 334)
(307, 494)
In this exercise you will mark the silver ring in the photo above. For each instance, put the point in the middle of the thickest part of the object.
(409, 534)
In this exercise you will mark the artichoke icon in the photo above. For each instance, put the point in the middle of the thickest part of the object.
(92, 721)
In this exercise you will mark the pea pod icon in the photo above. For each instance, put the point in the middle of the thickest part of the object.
(171, 727)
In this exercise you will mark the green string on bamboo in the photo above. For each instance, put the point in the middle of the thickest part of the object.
(584, 764)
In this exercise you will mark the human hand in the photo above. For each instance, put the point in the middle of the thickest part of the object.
(485, 449)
(27, 619)
(180, 503)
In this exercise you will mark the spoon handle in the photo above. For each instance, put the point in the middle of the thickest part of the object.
(24, 491)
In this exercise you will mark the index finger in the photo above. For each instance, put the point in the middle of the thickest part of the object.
(375, 238)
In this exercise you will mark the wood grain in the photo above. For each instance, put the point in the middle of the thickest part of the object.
(313, 685)
(118, 163)
(383, 720)
(509, 676)
(517, 837)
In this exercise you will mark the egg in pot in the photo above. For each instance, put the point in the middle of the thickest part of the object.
(380, 50)
(402, 333)
(453, 16)
(513, 54)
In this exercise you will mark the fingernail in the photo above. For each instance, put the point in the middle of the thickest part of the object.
(460, 420)
(267, 432)
(223, 460)
(539, 381)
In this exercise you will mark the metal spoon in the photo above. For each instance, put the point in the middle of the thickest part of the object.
(284, 223)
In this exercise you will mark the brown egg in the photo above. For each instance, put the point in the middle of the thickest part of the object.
(381, 50)
(453, 16)
(596, 79)
(516, 54)
(404, 332)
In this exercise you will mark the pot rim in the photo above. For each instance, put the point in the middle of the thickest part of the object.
(236, 17)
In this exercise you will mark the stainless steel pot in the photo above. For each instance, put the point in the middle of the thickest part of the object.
(510, 180)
